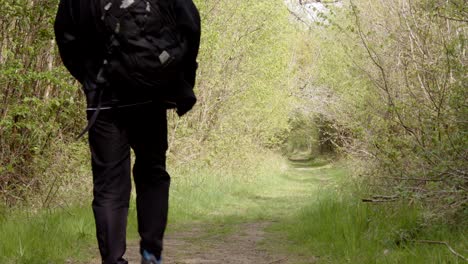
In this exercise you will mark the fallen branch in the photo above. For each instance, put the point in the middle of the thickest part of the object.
(298, 18)
(378, 201)
(441, 243)
(453, 18)
(412, 179)
(381, 199)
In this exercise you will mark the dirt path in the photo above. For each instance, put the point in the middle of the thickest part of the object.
(243, 242)
(244, 246)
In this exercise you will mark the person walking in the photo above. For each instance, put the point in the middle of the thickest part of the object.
(134, 59)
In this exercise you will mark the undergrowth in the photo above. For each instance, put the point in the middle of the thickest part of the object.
(339, 228)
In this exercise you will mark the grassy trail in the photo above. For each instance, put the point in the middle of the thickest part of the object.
(301, 214)
(306, 214)
(239, 232)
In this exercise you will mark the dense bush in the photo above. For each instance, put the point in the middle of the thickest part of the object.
(243, 93)
(395, 76)
(39, 104)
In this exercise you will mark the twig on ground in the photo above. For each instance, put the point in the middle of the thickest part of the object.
(278, 261)
(381, 199)
(442, 243)
(412, 179)
(378, 201)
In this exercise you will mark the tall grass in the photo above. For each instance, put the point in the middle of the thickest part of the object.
(46, 237)
(339, 228)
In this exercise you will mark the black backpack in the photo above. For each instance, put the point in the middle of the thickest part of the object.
(145, 48)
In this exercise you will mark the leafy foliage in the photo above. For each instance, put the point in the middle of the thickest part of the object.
(396, 76)
(243, 93)
(243, 86)
(38, 101)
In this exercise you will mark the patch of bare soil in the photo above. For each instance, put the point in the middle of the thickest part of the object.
(244, 245)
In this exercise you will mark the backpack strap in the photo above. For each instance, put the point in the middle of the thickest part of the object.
(100, 78)
(101, 81)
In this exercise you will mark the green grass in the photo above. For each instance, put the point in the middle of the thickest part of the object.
(339, 228)
(69, 234)
(197, 196)
(46, 237)
(223, 197)
(314, 207)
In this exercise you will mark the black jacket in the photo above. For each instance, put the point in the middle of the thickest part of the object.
(83, 48)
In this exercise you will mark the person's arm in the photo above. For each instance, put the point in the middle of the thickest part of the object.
(67, 37)
(188, 21)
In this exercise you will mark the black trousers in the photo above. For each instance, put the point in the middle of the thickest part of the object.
(144, 129)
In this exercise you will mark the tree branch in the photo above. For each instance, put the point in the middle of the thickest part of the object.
(442, 243)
